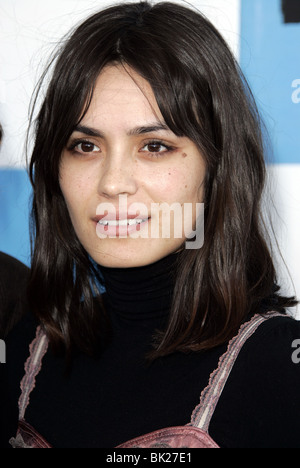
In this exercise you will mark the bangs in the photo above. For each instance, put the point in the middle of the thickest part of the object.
(177, 71)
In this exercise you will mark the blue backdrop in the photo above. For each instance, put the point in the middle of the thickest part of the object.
(270, 58)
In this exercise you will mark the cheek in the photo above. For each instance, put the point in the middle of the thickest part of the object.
(177, 185)
(193, 176)
(74, 188)
(162, 186)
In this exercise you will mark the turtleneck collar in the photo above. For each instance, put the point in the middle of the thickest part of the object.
(141, 293)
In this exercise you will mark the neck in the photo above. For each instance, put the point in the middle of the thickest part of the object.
(141, 293)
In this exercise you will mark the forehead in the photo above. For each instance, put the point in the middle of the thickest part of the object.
(122, 94)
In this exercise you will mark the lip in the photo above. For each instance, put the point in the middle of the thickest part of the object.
(116, 229)
(118, 216)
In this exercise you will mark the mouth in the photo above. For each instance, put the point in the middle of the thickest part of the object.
(122, 226)
(122, 222)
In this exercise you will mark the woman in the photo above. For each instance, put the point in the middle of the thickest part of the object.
(147, 109)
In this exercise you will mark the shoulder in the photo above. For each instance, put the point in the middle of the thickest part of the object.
(17, 344)
(20, 336)
(261, 396)
(274, 339)
(13, 279)
(267, 356)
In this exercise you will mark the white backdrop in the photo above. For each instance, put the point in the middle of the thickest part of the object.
(30, 30)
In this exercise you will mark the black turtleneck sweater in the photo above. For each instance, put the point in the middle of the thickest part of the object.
(112, 399)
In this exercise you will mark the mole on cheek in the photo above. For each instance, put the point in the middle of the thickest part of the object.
(184, 155)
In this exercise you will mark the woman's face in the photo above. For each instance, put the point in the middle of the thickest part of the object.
(130, 184)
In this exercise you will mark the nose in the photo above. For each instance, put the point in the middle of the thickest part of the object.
(117, 176)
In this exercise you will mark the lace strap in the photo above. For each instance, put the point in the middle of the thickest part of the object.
(203, 413)
(33, 364)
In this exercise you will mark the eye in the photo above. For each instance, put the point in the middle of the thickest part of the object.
(87, 147)
(83, 147)
(156, 147)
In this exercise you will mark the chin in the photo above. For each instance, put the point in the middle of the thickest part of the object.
(138, 256)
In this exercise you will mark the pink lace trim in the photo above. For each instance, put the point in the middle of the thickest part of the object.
(28, 437)
(209, 398)
(195, 434)
(172, 437)
(33, 365)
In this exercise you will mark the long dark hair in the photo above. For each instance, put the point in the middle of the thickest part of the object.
(201, 94)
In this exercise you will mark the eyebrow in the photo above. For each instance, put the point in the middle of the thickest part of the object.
(155, 127)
